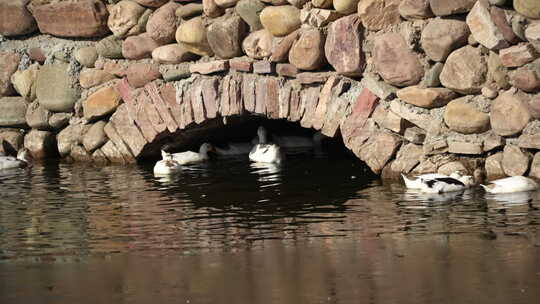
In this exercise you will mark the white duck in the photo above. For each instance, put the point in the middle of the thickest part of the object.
(446, 184)
(23, 160)
(167, 165)
(417, 183)
(511, 184)
(190, 157)
(264, 152)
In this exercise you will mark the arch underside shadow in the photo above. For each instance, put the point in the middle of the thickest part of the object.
(189, 111)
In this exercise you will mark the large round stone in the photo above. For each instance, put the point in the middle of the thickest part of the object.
(343, 47)
(161, 25)
(192, 35)
(426, 97)
(510, 114)
(462, 116)
(345, 7)
(280, 20)
(54, 88)
(465, 71)
(172, 54)
(101, 103)
(528, 8)
(9, 61)
(307, 52)
(125, 18)
(138, 47)
(395, 61)
(95, 137)
(515, 162)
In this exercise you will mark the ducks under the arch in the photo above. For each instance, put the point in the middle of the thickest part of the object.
(190, 157)
(167, 166)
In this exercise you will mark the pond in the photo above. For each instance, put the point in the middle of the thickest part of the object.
(316, 229)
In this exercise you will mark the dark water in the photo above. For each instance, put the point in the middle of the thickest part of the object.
(314, 230)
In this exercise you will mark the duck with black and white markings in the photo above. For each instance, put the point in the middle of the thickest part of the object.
(446, 184)
(417, 183)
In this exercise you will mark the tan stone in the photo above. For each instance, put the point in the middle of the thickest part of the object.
(446, 7)
(528, 8)
(465, 71)
(86, 56)
(225, 36)
(452, 167)
(101, 103)
(379, 150)
(172, 54)
(209, 67)
(161, 25)
(9, 61)
(258, 44)
(426, 97)
(138, 47)
(442, 36)
(525, 79)
(345, 7)
(462, 147)
(307, 53)
(327, 3)
(483, 28)
(415, 9)
(529, 141)
(280, 52)
(280, 20)
(535, 166)
(24, 83)
(192, 35)
(139, 74)
(211, 9)
(517, 55)
(408, 157)
(509, 114)
(95, 137)
(125, 18)
(93, 77)
(41, 144)
(463, 117)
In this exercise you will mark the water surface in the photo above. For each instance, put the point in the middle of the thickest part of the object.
(316, 229)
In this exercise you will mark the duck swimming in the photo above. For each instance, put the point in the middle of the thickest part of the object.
(264, 152)
(511, 184)
(167, 165)
(417, 183)
(446, 184)
(23, 160)
(190, 157)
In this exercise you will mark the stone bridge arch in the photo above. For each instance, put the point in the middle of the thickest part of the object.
(160, 111)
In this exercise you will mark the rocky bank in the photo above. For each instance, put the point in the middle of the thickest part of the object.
(410, 85)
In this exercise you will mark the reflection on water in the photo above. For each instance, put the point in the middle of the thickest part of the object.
(306, 231)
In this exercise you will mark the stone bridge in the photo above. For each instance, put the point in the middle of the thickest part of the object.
(163, 112)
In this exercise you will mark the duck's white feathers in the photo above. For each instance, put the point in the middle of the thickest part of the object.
(442, 185)
(266, 153)
(190, 157)
(22, 160)
(167, 167)
(417, 182)
(511, 184)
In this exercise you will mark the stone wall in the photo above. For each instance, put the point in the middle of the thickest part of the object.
(410, 85)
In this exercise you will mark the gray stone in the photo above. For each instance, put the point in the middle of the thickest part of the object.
(461, 147)
(249, 11)
(86, 56)
(95, 137)
(13, 112)
(431, 78)
(415, 135)
(54, 88)
(59, 120)
(37, 117)
(110, 47)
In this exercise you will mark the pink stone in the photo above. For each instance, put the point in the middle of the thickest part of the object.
(139, 74)
(168, 93)
(263, 67)
(15, 18)
(281, 52)
(324, 99)
(248, 92)
(128, 132)
(286, 69)
(294, 106)
(343, 47)
(215, 66)
(73, 19)
(313, 77)
(162, 24)
(310, 100)
(138, 47)
(361, 111)
(235, 96)
(161, 106)
(210, 96)
(224, 102)
(197, 102)
(240, 65)
(526, 80)
(395, 62)
(260, 96)
(517, 55)
(272, 98)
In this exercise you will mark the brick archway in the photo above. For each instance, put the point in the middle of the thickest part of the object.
(158, 111)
